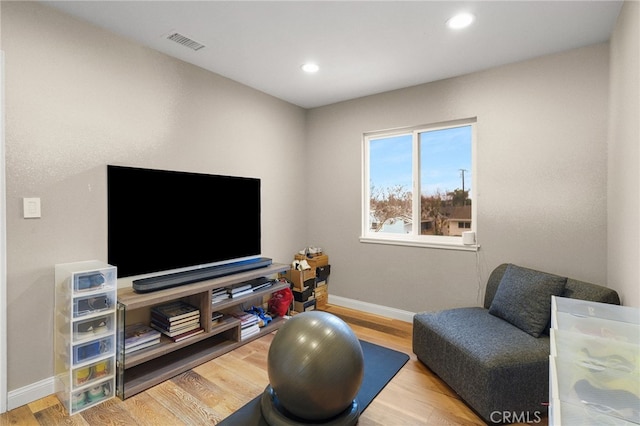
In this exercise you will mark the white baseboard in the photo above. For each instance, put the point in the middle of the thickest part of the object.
(371, 308)
(46, 387)
(30, 393)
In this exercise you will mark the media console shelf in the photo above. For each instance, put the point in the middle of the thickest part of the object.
(142, 369)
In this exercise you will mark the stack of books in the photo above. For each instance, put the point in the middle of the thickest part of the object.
(176, 320)
(219, 295)
(139, 336)
(240, 289)
(249, 324)
(260, 283)
(216, 317)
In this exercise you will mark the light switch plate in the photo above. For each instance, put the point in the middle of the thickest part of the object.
(31, 207)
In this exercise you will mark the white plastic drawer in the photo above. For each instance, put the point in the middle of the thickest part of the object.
(83, 306)
(93, 349)
(585, 308)
(598, 327)
(595, 353)
(562, 413)
(93, 327)
(97, 371)
(609, 391)
(578, 310)
(91, 396)
(94, 280)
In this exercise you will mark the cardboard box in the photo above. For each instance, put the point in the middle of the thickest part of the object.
(314, 261)
(322, 272)
(302, 295)
(321, 296)
(300, 307)
(301, 279)
(320, 283)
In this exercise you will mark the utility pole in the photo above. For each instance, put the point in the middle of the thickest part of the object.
(462, 175)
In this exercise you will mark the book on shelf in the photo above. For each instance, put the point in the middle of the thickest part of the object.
(138, 334)
(236, 288)
(182, 321)
(219, 294)
(261, 285)
(223, 295)
(175, 310)
(249, 331)
(242, 293)
(175, 327)
(216, 317)
(128, 350)
(188, 334)
(246, 319)
(175, 332)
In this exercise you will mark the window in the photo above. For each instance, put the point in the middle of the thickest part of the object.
(421, 175)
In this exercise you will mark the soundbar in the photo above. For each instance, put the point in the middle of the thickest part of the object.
(145, 285)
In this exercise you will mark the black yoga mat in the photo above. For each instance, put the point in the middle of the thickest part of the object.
(380, 365)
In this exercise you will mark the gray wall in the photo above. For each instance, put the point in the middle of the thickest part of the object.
(623, 228)
(77, 99)
(540, 190)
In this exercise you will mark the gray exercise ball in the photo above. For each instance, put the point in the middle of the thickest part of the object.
(315, 365)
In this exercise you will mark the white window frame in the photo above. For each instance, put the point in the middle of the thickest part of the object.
(415, 239)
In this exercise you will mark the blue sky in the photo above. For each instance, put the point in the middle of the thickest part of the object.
(443, 153)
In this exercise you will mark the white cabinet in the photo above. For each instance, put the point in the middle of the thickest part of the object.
(594, 365)
(85, 333)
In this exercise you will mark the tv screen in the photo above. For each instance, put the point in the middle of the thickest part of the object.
(161, 220)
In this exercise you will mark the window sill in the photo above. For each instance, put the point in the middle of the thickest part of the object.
(452, 244)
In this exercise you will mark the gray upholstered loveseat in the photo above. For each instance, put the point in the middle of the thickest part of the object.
(496, 357)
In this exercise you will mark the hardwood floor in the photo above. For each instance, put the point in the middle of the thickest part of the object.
(214, 390)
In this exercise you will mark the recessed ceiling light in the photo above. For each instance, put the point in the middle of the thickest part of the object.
(461, 20)
(310, 68)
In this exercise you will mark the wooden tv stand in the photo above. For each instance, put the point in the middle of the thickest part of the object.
(140, 370)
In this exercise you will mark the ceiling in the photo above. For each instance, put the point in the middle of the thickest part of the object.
(362, 47)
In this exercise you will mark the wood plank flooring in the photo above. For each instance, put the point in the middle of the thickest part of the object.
(212, 391)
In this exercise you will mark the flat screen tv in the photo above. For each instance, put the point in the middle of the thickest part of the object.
(162, 220)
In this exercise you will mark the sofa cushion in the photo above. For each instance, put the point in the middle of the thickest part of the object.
(523, 298)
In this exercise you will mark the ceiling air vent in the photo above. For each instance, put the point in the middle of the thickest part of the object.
(185, 41)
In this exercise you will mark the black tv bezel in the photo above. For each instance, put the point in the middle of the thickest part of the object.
(121, 252)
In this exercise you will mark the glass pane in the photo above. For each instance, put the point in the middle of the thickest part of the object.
(390, 181)
(445, 181)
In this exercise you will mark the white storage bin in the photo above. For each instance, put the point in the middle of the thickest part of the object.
(596, 353)
(85, 332)
(97, 371)
(601, 328)
(603, 320)
(562, 413)
(93, 349)
(87, 305)
(90, 396)
(98, 279)
(594, 367)
(94, 327)
(585, 308)
(609, 391)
